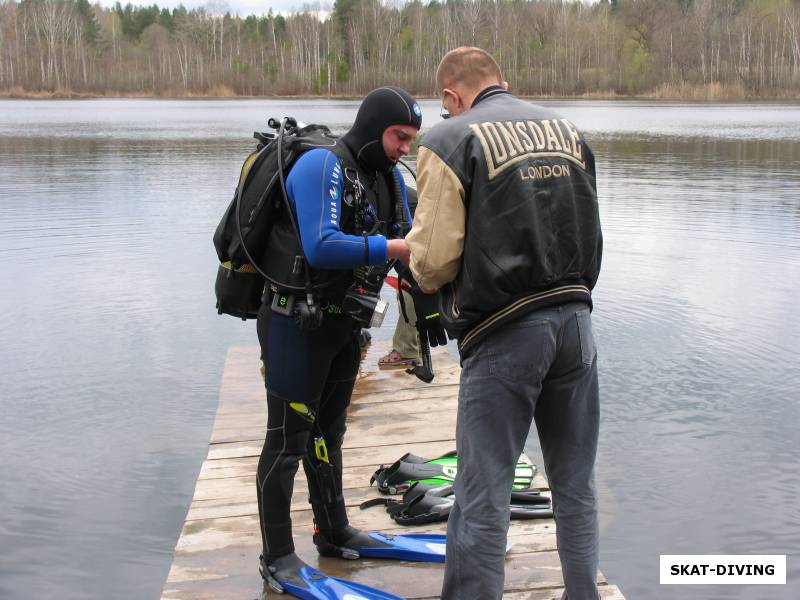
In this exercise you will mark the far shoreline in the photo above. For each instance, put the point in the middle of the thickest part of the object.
(708, 94)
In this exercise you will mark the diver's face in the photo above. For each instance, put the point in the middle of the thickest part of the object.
(397, 141)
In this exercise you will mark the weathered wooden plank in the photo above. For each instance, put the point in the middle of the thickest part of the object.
(380, 382)
(391, 413)
(241, 492)
(242, 384)
(444, 397)
(377, 420)
(372, 519)
(369, 430)
(402, 394)
(385, 415)
(353, 475)
(385, 453)
(204, 535)
(607, 592)
(245, 487)
(203, 582)
(245, 504)
(232, 573)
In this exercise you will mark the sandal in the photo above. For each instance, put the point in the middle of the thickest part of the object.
(395, 360)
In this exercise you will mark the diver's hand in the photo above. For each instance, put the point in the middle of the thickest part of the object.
(429, 323)
(398, 250)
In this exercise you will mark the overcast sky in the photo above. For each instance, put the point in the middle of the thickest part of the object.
(241, 7)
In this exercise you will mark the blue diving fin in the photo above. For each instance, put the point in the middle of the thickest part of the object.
(422, 547)
(290, 575)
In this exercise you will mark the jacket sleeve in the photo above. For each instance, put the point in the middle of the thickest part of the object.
(436, 239)
(315, 185)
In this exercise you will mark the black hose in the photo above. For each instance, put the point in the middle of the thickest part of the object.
(424, 371)
(399, 207)
(275, 125)
(239, 220)
(409, 169)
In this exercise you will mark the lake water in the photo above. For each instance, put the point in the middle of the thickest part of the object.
(112, 351)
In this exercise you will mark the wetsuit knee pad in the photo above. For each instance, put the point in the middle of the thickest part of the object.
(288, 425)
(292, 416)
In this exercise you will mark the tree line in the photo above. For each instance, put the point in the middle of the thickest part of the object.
(746, 48)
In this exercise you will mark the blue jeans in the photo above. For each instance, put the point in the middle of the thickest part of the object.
(542, 367)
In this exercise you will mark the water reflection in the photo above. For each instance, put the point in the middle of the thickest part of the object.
(113, 352)
(693, 317)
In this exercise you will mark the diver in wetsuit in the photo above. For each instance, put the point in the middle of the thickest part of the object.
(312, 367)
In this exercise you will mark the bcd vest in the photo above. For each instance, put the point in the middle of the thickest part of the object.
(368, 208)
(255, 236)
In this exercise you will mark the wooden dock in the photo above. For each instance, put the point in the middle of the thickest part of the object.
(391, 413)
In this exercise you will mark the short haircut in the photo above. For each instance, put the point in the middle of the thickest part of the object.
(467, 66)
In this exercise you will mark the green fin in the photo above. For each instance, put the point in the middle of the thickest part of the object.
(411, 469)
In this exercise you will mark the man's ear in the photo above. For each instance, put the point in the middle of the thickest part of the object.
(453, 94)
(461, 104)
(504, 85)
(456, 98)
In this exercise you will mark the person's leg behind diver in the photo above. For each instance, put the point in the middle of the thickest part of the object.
(405, 341)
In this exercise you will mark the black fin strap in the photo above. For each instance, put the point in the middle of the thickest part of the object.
(375, 475)
(381, 476)
(403, 518)
(388, 502)
(519, 514)
(529, 498)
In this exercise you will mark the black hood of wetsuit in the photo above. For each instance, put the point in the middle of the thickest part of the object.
(383, 107)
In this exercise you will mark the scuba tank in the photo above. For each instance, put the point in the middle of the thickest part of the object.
(246, 228)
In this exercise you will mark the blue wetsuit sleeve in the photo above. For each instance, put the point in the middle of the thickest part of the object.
(314, 187)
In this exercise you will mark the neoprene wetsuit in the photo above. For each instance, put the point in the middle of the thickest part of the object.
(326, 246)
(310, 374)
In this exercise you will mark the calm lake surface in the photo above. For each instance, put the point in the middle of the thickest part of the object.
(112, 351)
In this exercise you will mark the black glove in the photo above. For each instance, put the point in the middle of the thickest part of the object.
(308, 317)
(429, 325)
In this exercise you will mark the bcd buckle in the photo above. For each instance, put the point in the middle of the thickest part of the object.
(282, 304)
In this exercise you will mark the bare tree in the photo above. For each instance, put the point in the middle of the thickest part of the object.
(548, 47)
